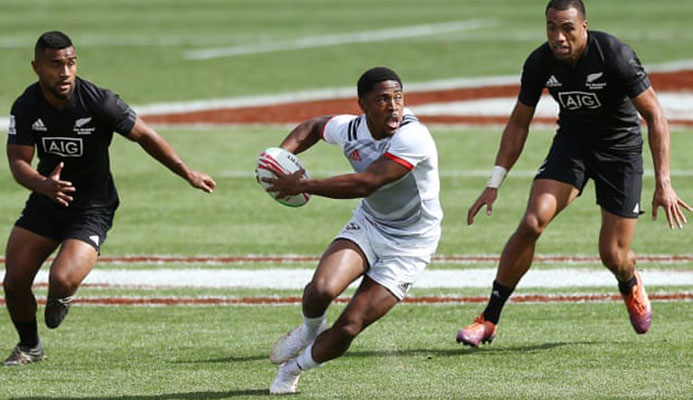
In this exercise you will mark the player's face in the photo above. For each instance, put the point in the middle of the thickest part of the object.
(566, 31)
(57, 70)
(383, 107)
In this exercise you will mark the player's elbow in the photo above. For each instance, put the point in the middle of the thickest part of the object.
(367, 187)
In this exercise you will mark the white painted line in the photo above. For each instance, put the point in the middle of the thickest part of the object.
(334, 40)
(444, 173)
(283, 278)
(677, 106)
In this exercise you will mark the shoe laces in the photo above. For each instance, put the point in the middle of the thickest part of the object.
(637, 299)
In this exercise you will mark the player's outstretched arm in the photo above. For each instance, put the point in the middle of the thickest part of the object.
(157, 147)
(512, 143)
(348, 186)
(658, 136)
(20, 157)
(305, 135)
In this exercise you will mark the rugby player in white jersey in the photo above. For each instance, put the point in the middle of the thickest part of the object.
(394, 230)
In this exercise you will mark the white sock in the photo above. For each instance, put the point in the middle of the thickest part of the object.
(305, 360)
(313, 324)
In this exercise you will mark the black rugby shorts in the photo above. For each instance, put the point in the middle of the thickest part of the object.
(617, 175)
(49, 219)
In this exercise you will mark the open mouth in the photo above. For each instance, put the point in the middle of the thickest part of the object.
(561, 50)
(393, 122)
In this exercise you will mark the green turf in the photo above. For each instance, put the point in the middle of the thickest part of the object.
(137, 48)
(220, 353)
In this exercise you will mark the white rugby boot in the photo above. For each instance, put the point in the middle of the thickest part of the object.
(291, 344)
(287, 378)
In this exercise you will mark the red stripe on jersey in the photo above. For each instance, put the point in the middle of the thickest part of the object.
(322, 132)
(399, 161)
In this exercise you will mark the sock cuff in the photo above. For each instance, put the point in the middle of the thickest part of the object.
(503, 291)
(305, 360)
(314, 321)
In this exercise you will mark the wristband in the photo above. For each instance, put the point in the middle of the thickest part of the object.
(497, 176)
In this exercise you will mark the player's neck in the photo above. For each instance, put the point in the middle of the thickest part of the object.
(54, 101)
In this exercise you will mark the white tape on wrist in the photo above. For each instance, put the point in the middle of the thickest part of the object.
(497, 176)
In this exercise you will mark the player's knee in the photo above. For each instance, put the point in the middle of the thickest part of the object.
(616, 258)
(13, 285)
(62, 285)
(532, 226)
(320, 291)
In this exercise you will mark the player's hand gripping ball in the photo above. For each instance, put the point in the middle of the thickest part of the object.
(277, 161)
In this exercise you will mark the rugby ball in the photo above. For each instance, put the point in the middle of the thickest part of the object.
(275, 161)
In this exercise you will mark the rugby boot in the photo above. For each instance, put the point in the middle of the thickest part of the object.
(56, 310)
(286, 380)
(481, 331)
(289, 345)
(22, 355)
(638, 306)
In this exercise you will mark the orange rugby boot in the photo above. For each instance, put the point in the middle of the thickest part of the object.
(481, 331)
(638, 306)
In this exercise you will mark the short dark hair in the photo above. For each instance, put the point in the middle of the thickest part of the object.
(374, 75)
(562, 5)
(51, 40)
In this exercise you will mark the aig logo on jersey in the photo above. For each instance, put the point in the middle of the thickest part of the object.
(578, 100)
(66, 147)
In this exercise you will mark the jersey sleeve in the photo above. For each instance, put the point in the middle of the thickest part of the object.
(19, 129)
(336, 129)
(628, 71)
(411, 145)
(116, 113)
(533, 79)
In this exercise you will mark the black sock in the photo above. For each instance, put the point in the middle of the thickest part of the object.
(625, 287)
(499, 296)
(28, 332)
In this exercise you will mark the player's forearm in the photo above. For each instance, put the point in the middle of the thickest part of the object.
(161, 151)
(512, 143)
(26, 175)
(348, 186)
(304, 136)
(658, 138)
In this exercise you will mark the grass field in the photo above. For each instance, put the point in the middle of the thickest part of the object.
(543, 350)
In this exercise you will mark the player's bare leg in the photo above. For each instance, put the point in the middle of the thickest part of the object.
(74, 261)
(615, 240)
(341, 264)
(25, 253)
(370, 302)
(547, 199)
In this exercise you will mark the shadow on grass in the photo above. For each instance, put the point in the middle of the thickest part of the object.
(167, 396)
(228, 359)
(461, 351)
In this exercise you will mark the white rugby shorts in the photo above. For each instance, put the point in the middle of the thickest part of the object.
(396, 262)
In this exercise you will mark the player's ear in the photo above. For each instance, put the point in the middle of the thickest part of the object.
(362, 105)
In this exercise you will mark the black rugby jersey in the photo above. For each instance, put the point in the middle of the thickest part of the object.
(79, 136)
(594, 94)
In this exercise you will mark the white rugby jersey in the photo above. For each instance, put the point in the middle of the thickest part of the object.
(410, 205)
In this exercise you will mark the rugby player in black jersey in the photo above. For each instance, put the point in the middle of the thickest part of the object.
(600, 87)
(69, 123)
